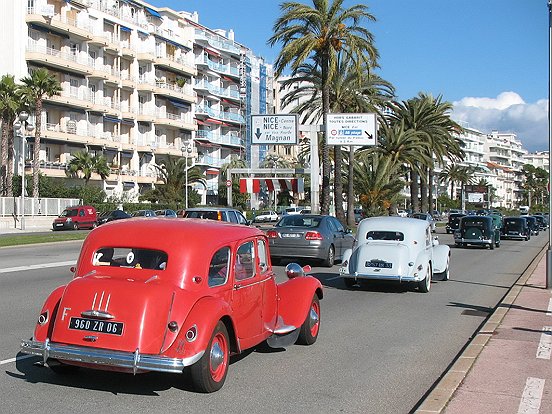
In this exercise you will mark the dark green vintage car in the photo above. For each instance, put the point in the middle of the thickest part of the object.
(477, 230)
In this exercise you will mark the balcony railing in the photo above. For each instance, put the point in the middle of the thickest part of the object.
(219, 138)
(213, 113)
(84, 25)
(32, 46)
(218, 41)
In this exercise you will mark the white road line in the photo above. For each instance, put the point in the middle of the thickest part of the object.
(549, 313)
(36, 266)
(532, 395)
(544, 349)
(19, 358)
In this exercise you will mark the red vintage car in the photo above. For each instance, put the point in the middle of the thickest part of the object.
(163, 295)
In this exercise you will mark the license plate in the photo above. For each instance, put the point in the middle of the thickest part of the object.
(94, 325)
(380, 265)
(291, 235)
(59, 224)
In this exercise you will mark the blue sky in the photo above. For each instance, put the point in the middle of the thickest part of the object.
(488, 57)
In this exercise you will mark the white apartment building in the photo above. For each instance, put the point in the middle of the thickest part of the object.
(138, 84)
(539, 159)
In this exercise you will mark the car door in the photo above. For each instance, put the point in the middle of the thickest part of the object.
(339, 236)
(268, 285)
(247, 293)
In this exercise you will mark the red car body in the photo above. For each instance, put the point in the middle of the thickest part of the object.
(137, 317)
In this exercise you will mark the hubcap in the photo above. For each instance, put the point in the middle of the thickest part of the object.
(314, 320)
(217, 358)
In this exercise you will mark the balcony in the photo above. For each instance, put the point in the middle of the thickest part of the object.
(172, 90)
(72, 97)
(63, 60)
(63, 23)
(184, 120)
(210, 161)
(213, 113)
(218, 42)
(67, 133)
(228, 139)
(146, 83)
(145, 114)
(179, 65)
(218, 67)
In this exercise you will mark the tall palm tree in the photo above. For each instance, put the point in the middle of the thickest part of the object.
(84, 164)
(319, 33)
(457, 174)
(10, 105)
(429, 117)
(37, 86)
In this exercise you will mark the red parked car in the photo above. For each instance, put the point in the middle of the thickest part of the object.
(163, 295)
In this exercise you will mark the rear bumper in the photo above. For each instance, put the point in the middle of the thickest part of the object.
(311, 252)
(473, 241)
(375, 276)
(127, 361)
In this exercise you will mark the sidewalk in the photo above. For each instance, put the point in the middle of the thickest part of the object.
(506, 368)
(32, 224)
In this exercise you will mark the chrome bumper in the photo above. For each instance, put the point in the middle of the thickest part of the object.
(473, 241)
(371, 276)
(132, 361)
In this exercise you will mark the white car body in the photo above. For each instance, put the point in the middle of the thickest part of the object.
(401, 249)
(266, 216)
(402, 213)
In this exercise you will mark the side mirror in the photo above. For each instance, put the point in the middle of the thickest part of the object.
(294, 270)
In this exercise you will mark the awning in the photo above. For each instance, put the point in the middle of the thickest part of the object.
(179, 104)
(152, 12)
(128, 184)
(200, 122)
(126, 154)
(172, 42)
(226, 101)
(128, 122)
(125, 29)
(212, 52)
(113, 119)
(226, 78)
(141, 32)
(48, 30)
(212, 171)
(214, 121)
(147, 157)
(110, 152)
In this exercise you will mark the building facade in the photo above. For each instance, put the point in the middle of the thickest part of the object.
(139, 84)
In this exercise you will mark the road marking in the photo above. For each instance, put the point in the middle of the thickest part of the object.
(36, 266)
(532, 395)
(19, 358)
(549, 313)
(545, 345)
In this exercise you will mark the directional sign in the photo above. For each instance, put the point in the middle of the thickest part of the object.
(274, 129)
(351, 129)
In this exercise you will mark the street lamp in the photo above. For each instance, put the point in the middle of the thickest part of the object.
(187, 148)
(22, 133)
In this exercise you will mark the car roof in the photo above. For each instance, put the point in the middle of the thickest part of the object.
(212, 209)
(392, 223)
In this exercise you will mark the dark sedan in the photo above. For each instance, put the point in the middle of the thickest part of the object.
(453, 222)
(515, 228)
(309, 236)
(112, 215)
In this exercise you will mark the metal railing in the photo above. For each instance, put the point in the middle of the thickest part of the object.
(11, 206)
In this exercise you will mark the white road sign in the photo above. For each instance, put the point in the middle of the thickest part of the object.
(351, 129)
(274, 129)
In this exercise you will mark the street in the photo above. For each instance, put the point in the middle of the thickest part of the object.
(381, 347)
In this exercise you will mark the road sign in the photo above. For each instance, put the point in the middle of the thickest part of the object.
(274, 129)
(351, 129)
(228, 183)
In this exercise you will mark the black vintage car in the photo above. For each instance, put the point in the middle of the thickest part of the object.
(541, 220)
(453, 221)
(515, 228)
(477, 230)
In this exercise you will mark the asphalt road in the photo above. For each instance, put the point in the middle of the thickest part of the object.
(381, 347)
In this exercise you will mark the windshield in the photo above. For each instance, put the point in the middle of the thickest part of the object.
(69, 213)
(299, 221)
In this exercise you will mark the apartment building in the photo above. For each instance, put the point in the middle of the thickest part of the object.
(539, 159)
(139, 84)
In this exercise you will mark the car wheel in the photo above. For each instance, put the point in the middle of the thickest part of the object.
(492, 245)
(311, 326)
(208, 374)
(330, 257)
(61, 368)
(75, 226)
(446, 274)
(425, 284)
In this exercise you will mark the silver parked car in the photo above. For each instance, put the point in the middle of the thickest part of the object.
(309, 236)
(426, 217)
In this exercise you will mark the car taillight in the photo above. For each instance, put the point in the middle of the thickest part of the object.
(272, 234)
(313, 235)
(219, 216)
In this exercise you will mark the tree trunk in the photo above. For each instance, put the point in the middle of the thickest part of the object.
(326, 165)
(430, 190)
(4, 163)
(414, 191)
(350, 189)
(423, 193)
(338, 184)
(36, 153)
(9, 172)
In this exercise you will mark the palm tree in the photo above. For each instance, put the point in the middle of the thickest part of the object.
(38, 85)
(84, 164)
(429, 117)
(10, 105)
(461, 174)
(320, 33)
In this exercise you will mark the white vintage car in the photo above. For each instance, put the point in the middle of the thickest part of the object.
(397, 249)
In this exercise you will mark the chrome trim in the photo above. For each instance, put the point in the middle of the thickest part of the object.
(133, 361)
(96, 314)
(399, 278)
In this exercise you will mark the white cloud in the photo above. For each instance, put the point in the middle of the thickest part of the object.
(508, 112)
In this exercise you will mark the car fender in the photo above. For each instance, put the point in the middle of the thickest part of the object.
(420, 266)
(345, 261)
(295, 298)
(47, 316)
(204, 315)
(441, 255)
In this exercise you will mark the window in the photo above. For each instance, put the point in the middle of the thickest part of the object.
(385, 235)
(218, 268)
(263, 256)
(130, 258)
(245, 261)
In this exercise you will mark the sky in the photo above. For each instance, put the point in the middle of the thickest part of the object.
(489, 58)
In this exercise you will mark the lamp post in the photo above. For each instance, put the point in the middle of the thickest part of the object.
(187, 148)
(21, 127)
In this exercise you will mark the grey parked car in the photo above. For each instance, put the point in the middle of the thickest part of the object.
(216, 213)
(144, 213)
(309, 236)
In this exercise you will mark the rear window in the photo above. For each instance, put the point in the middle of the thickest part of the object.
(385, 235)
(131, 258)
(299, 221)
(474, 223)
